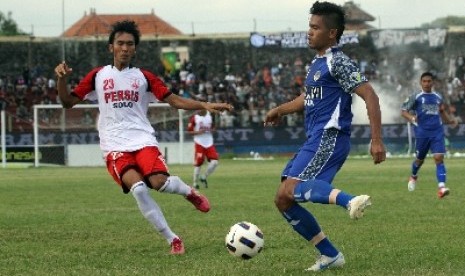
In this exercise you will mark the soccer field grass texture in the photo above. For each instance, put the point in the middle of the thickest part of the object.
(76, 221)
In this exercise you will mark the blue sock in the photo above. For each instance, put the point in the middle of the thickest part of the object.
(342, 199)
(327, 248)
(415, 168)
(313, 190)
(304, 223)
(441, 172)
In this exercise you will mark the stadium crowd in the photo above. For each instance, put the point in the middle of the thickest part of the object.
(252, 91)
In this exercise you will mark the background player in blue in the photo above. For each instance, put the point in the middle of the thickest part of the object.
(426, 111)
(331, 80)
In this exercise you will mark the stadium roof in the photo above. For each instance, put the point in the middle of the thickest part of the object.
(94, 24)
(356, 18)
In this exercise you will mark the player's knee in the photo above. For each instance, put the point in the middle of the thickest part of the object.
(438, 158)
(214, 163)
(156, 181)
(283, 201)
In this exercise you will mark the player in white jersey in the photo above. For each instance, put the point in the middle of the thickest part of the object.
(126, 136)
(201, 126)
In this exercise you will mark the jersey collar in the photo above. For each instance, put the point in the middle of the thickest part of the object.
(329, 51)
(125, 68)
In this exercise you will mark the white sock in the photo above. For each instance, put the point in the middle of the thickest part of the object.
(441, 185)
(174, 185)
(196, 174)
(211, 167)
(151, 211)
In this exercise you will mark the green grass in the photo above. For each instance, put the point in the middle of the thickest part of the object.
(76, 221)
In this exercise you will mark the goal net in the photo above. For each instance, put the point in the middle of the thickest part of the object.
(70, 136)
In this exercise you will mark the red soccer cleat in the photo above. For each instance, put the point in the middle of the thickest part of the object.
(177, 247)
(199, 201)
(442, 192)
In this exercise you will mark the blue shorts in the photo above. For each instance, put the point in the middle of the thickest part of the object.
(435, 144)
(321, 156)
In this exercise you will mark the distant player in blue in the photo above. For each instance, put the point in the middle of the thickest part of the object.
(426, 111)
(331, 81)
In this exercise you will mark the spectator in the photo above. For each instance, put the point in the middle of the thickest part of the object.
(227, 119)
(245, 117)
(22, 112)
(3, 101)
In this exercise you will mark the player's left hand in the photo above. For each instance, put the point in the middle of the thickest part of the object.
(378, 151)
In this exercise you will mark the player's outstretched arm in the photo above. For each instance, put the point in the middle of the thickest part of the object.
(189, 104)
(377, 149)
(62, 71)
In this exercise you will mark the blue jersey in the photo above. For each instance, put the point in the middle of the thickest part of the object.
(426, 107)
(330, 83)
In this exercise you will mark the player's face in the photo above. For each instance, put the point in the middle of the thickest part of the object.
(123, 49)
(320, 37)
(426, 83)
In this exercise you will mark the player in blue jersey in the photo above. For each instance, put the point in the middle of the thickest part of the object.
(331, 81)
(426, 111)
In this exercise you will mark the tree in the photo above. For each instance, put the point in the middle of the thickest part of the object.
(8, 26)
(446, 22)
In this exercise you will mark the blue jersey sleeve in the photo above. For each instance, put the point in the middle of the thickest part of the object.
(347, 73)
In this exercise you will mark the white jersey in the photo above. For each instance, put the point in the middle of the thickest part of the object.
(198, 122)
(123, 98)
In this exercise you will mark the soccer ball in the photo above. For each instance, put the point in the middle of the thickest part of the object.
(244, 240)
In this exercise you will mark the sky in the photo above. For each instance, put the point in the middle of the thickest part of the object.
(45, 18)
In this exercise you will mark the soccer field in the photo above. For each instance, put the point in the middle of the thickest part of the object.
(76, 221)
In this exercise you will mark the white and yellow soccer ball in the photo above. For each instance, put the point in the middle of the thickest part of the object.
(244, 240)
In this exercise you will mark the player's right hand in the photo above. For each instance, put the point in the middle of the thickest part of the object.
(63, 70)
(218, 107)
(378, 151)
(272, 118)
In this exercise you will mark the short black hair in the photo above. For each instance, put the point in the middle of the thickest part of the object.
(333, 16)
(427, 74)
(126, 26)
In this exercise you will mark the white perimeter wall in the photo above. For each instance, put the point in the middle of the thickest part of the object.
(91, 155)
